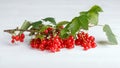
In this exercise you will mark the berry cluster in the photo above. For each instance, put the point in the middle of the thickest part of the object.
(53, 44)
(18, 38)
(86, 41)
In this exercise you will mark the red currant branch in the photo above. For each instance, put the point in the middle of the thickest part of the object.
(65, 34)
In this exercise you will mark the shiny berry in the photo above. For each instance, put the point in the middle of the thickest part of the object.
(17, 37)
(46, 31)
(22, 36)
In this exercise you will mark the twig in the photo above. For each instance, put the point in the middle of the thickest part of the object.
(12, 30)
(95, 25)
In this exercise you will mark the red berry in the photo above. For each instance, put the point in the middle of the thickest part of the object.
(77, 42)
(83, 33)
(71, 37)
(52, 49)
(91, 38)
(46, 31)
(86, 35)
(36, 46)
(37, 41)
(79, 35)
(41, 47)
(12, 41)
(22, 36)
(93, 45)
(85, 48)
(17, 37)
(61, 27)
(43, 41)
(32, 43)
(13, 37)
(21, 40)
(49, 28)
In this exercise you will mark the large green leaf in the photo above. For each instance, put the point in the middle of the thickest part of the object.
(110, 35)
(75, 25)
(50, 19)
(83, 21)
(92, 14)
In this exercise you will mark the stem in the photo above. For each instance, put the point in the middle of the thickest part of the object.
(95, 25)
(100, 25)
(12, 30)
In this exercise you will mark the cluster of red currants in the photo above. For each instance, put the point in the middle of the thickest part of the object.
(18, 38)
(53, 44)
(86, 41)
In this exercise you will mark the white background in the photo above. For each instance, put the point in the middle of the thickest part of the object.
(14, 12)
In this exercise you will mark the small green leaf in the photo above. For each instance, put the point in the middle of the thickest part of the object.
(40, 37)
(50, 19)
(96, 8)
(110, 35)
(36, 24)
(83, 20)
(43, 28)
(25, 26)
(62, 23)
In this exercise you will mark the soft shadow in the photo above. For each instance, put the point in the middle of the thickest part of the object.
(103, 43)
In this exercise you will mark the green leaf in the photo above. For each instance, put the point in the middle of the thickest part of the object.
(83, 20)
(92, 14)
(36, 24)
(93, 17)
(40, 37)
(25, 26)
(110, 35)
(74, 26)
(64, 33)
(62, 23)
(96, 8)
(50, 19)
(83, 13)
